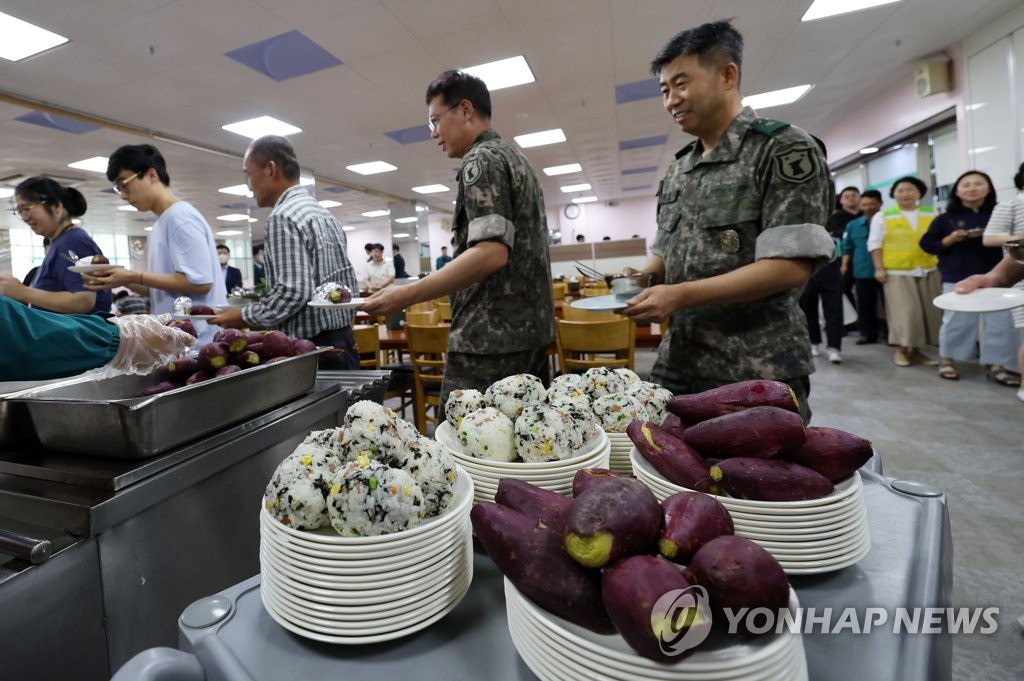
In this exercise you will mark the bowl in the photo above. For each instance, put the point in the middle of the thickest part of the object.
(1015, 249)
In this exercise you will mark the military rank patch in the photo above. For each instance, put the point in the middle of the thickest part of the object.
(797, 166)
(471, 172)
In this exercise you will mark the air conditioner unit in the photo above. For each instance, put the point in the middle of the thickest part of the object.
(931, 77)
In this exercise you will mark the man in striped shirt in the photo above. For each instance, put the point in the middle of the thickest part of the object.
(305, 247)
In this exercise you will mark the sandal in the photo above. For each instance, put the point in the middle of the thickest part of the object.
(947, 370)
(999, 374)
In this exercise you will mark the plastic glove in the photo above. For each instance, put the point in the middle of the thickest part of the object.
(147, 343)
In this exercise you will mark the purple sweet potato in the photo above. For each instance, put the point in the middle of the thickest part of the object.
(733, 397)
(761, 432)
(227, 370)
(245, 359)
(301, 346)
(532, 557)
(182, 368)
(254, 337)
(203, 310)
(161, 387)
(185, 325)
(197, 377)
(233, 338)
(550, 508)
(673, 425)
(633, 587)
(834, 453)
(618, 518)
(671, 457)
(276, 344)
(738, 573)
(770, 480)
(213, 356)
(586, 478)
(690, 520)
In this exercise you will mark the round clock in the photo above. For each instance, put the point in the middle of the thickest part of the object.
(571, 211)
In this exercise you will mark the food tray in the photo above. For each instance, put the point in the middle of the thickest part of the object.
(15, 423)
(109, 418)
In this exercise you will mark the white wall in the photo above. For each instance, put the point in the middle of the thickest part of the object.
(598, 220)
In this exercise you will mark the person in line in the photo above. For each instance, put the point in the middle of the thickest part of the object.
(48, 209)
(909, 276)
(305, 247)
(181, 256)
(1007, 224)
(955, 237)
(259, 271)
(857, 261)
(500, 280)
(399, 263)
(232, 275)
(580, 239)
(442, 259)
(368, 247)
(847, 209)
(379, 272)
(41, 345)
(741, 214)
(31, 276)
(826, 286)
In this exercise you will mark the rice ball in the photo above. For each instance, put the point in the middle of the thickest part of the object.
(585, 425)
(567, 397)
(565, 381)
(487, 434)
(615, 412)
(655, 400)
(432, 467)
(372, 429)
(462, 402)
(600, 381)
(512, 394)
(369, 498)
(629, 377)
(406, 431)
(545, 434)
(296, 495)
(324, 438)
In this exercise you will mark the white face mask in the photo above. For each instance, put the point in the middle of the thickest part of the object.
(223, 257)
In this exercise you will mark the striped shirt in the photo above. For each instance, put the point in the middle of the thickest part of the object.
(1008, 218)
(305, 247)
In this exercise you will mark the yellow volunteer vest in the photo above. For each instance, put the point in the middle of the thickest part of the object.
(900, 249)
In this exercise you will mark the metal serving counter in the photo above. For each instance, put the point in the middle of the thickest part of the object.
(230, 637)
(135, 541)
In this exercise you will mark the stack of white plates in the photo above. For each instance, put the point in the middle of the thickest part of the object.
(806, 537)
(618, 460)
(551, 475)
(557, 650)
(354, 590)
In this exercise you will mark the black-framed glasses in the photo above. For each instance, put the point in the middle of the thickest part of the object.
(121, 185)
(432, 123)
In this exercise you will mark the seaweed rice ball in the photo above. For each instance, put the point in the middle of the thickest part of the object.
(601, 381)
(462, 402)
(655, 400)
(630, 378)
(545, 434)
(372, 429)
(615, 412)
(568, 397)
(487, 434)
(512, 394)
(585, 424)
(369, 499)
(565, 381)
(433, 468)
(296, 495)
(324, 438)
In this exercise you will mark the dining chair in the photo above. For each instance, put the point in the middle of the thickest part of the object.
(400, 385)
(430, 317)
(584, 345)
(428, 346)
(444, 310)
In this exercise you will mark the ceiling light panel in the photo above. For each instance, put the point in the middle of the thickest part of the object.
(766, 100)
(327, 203)
(233, 217)
(503, 73)
(20, 39)
(372, 168)
(407, 220)
(570, 188)
(820, 9)
(585, 199)
(563, 170)
(430, 189)
(236, 190)
(539, 139)
(376, 213)
(263, 125)
(96, 164)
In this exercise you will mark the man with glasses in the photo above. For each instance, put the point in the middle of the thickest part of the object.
(500, 279)
(304, 248)
(181, 255)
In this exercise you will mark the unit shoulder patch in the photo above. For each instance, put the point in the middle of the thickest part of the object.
(796, 166)
(471, 172)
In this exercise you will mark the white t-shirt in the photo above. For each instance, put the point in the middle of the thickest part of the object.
(378, 273)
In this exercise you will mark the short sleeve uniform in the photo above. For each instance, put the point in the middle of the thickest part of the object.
(763, 192)
(70, 245)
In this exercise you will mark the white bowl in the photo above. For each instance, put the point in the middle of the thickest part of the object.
(590, 450)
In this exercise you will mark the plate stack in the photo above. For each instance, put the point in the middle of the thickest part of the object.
(806, 537)
(354, 590)
(557, 650)
(552, 475)
(618, 460)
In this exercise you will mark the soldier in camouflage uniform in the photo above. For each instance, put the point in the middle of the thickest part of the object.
(500, 279)
(740, 228)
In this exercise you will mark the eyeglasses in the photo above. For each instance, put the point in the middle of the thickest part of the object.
(432, 123)
(121, 185)
(21, 211)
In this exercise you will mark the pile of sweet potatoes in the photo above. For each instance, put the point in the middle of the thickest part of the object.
(605, 557)
(748, 439)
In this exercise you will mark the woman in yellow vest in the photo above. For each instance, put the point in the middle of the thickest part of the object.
(909, 276)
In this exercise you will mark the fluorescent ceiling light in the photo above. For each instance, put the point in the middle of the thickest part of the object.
(776, 97)
(372, 168)
(76, 221)
(6, 192)
(407, 220)
(233, 217)
(502, 73)
(975, 106)
(585, 199)
(306, 181)
(129, 209)
(569, 188)
(348, 228)
(983, 150)
(237, 190)
(820, 9)
(20, 39)
(869, 150)
(376, 213)
(539, 139)
(147, 229)
(230, 232)
(258, 127)
(430, 189)
(327, 203)
(563, 170)
(96, 164)
(400, 235)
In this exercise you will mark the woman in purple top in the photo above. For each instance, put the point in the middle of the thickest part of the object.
(48, 208)
(955, 236)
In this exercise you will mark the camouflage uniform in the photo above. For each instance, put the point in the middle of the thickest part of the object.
(763, 192)
(504, 323)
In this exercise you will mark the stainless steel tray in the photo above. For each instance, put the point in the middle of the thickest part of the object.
(15, 423)
(108, 418)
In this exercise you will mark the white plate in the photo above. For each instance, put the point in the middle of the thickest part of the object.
(822, 567)
(350, 305)
(84, 269)
(609, 303)
(981, 300)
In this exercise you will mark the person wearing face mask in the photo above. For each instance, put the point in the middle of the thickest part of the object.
(232, 275)
(48, 208)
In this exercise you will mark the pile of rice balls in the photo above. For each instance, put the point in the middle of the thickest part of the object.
(374, 475)
(517, 419)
